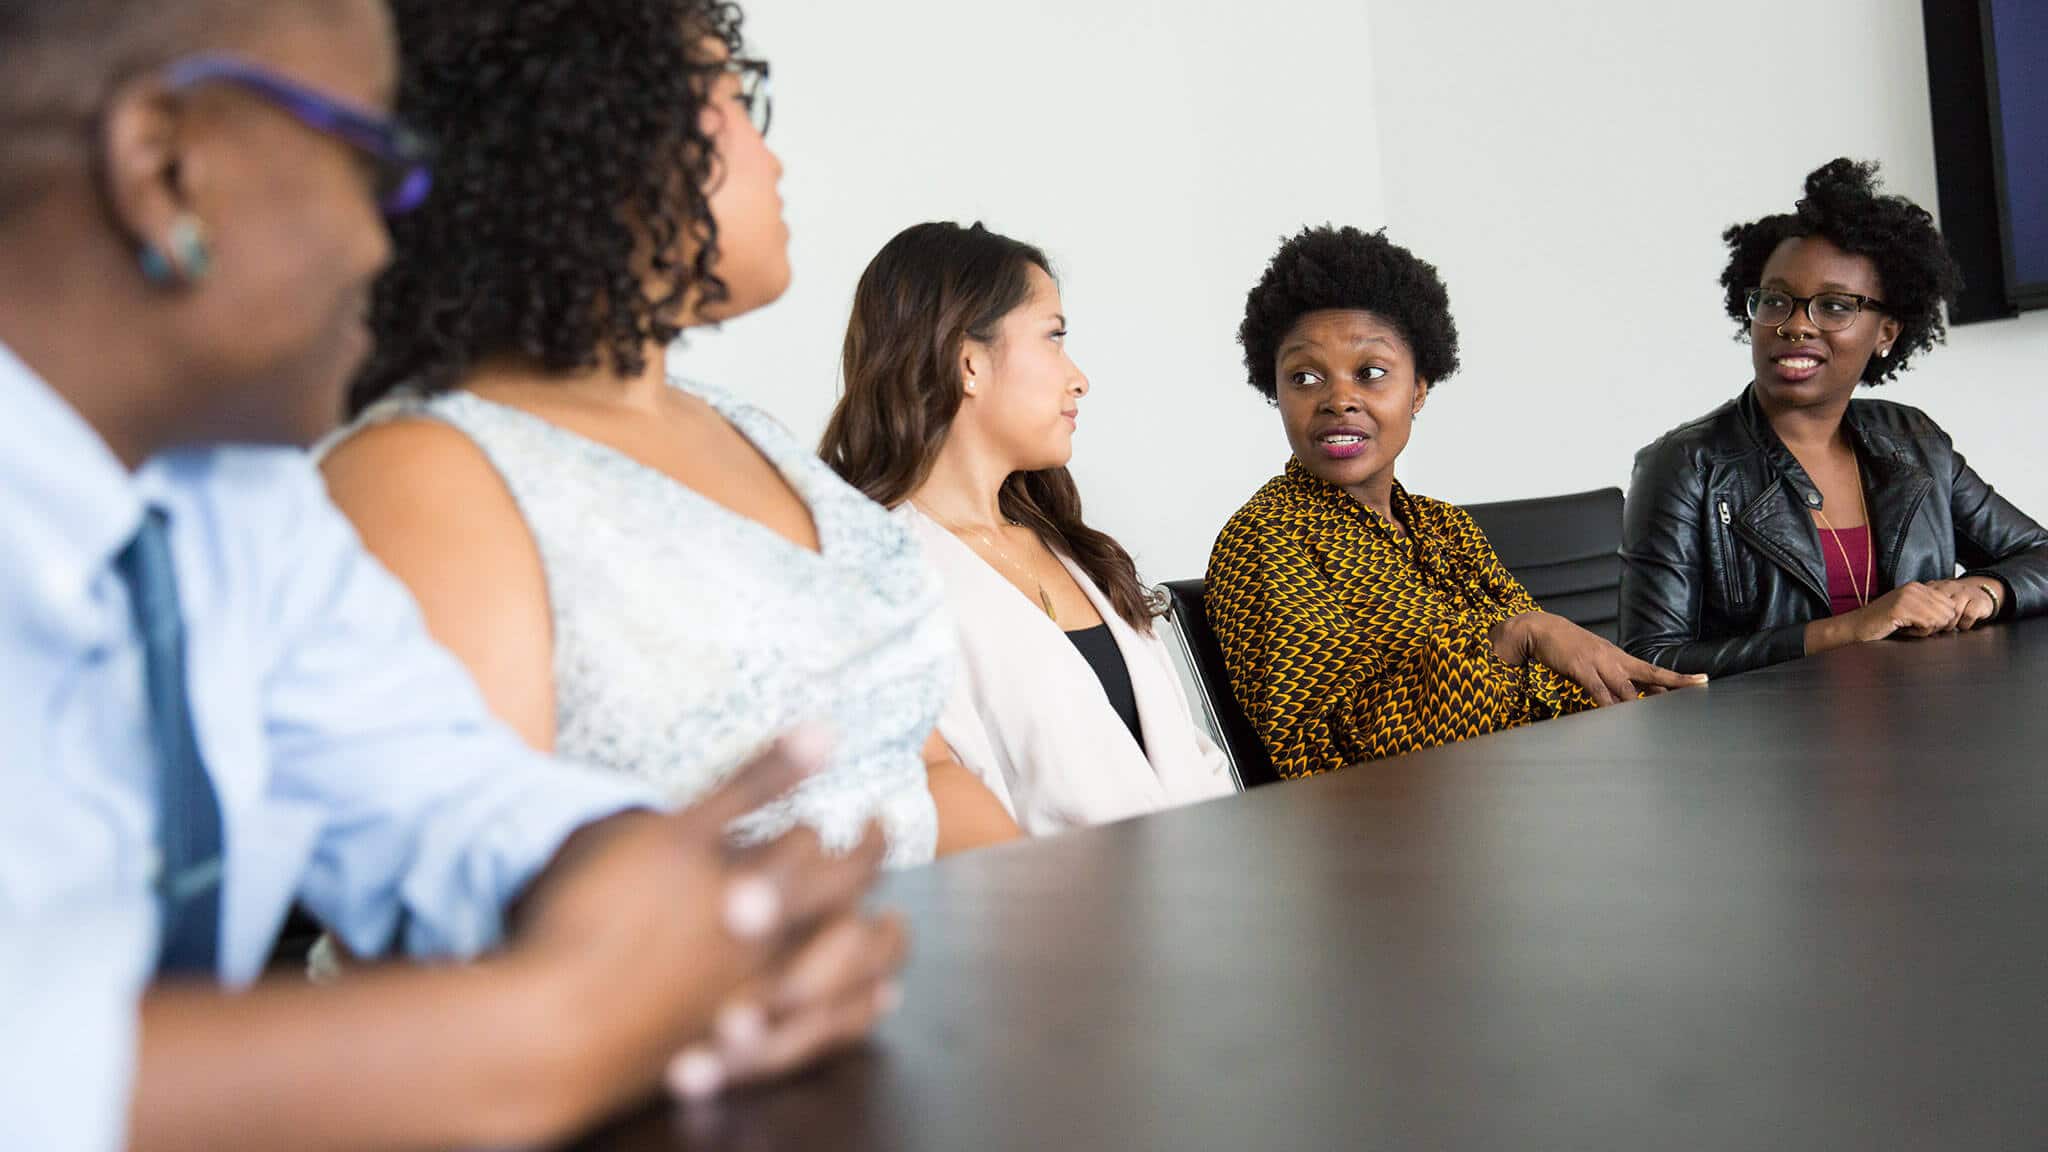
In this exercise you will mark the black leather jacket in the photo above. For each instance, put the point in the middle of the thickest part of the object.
(1721, 562)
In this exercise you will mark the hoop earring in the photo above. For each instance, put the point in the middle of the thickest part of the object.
(186, 258)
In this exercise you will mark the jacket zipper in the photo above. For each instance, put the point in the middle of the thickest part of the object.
(1728, 581)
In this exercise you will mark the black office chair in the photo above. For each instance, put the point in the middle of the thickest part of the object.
(1566, 550)
(1190, 618)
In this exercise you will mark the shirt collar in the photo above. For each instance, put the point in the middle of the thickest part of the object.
(67, 502)
(1324, 496)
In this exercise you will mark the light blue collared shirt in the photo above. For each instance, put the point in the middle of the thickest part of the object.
(358, 768)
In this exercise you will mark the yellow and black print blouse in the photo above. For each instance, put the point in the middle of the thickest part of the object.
(1346, 642)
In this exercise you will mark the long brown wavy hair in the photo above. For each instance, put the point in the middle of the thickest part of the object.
(925, 294)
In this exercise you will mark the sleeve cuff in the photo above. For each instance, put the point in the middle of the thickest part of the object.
(1788, 642)
(503, 861)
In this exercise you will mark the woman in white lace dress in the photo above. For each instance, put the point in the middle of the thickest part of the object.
(642, 574)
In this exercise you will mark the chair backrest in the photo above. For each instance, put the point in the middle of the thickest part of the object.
(1566, 550)
(1190, 618)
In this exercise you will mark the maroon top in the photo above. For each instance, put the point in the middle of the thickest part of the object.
(1841, 587)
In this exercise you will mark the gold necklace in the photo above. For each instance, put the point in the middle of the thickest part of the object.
(1044, 599)
(1869, 551)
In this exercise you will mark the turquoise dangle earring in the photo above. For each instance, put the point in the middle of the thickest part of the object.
(186, 258)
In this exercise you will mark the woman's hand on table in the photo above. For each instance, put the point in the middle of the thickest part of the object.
(1608, 674)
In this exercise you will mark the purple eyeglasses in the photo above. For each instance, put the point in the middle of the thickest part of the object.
(403, 158)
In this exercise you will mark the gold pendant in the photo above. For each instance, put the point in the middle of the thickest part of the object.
(1045, 602)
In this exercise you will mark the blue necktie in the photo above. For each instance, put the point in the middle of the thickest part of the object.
(188, 816)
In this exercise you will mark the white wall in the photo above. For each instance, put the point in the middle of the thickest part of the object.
(1557, 161)
(1152, 147)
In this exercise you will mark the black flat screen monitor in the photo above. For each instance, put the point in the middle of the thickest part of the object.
(2016, 67)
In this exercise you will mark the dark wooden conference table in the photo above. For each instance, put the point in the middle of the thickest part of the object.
(1805, 908)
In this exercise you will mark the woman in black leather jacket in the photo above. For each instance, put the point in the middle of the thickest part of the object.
(1795, 519)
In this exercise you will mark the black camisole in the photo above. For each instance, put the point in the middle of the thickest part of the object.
(1098, 646)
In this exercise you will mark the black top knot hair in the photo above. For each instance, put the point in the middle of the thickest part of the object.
(1845, 205)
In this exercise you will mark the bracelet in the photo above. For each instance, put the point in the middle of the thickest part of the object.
(1996, 603)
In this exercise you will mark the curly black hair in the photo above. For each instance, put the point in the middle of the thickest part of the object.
(1345, 268)
(1843, 206)
(570, 147)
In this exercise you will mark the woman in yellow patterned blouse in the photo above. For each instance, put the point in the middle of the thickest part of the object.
(1358, 620)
